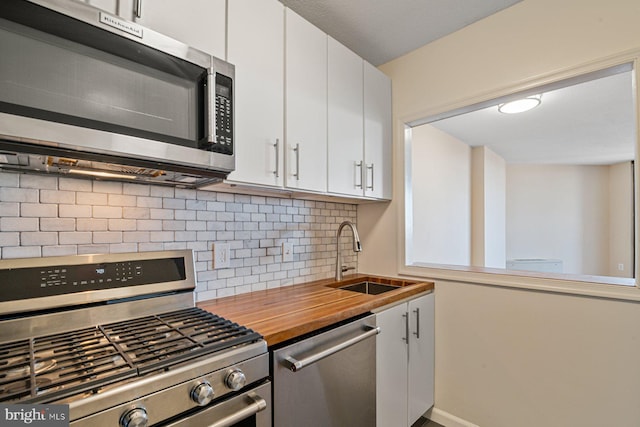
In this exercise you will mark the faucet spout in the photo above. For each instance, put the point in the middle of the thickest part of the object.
(357, 246)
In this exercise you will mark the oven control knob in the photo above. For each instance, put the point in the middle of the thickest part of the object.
(202, 394)
(135, 418)
(235, 379)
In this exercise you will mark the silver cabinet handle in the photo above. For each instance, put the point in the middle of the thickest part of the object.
(295, 365)
(370, 167)
(211, 105)
(255, 405)
(417, 332)
(406, 328)
(297, 150)
(277, 148)
(137, 9)
(358, 165)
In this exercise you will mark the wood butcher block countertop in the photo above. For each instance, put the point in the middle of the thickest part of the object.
(288, 312)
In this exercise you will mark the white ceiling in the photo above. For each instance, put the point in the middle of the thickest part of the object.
(382, 30)
(587, 123)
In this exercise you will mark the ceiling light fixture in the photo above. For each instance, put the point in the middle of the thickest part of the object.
(520, 105)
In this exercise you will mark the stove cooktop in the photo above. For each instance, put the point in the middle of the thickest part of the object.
(81, 362)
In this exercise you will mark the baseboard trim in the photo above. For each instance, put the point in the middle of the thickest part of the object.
(446, 419)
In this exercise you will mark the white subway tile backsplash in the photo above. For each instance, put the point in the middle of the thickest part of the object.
(59, 250)
(9, 238)
(57, 196)
(22, 252)
(135, 189)
(35, 238)
(92, 249)
(75, 237)
(39, 181)
(91, 224)
(9, 179)
(121, 200)
(110, 187)
(38, 210)
(9, 209)
(12, 194)
(107, 237)
(136, 213)
(72, 184)
(19, 224)
(57, 224)
(149, 202)
(74, 211)
(116, 224)
(94, 199)
(49, 216)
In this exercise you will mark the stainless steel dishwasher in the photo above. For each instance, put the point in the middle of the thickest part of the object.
(328, 379)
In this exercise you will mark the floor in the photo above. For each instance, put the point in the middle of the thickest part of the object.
(423, 422)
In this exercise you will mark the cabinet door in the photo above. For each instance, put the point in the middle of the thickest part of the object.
(391, 367)
(345, 121)
(421, 356)
(377, 133)
(305, 104)
(256, 48)
(122, 8)
(197, 23)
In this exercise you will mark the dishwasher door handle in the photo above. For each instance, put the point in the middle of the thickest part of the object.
(295, 365)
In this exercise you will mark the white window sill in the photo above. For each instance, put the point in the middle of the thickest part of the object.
(595, 286)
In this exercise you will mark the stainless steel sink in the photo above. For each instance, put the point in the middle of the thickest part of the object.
(370, 288)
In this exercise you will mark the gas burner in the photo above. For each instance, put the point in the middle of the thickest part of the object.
(42, 385)
(24, 368)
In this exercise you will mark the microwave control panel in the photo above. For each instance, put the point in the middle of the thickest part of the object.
(224, 115)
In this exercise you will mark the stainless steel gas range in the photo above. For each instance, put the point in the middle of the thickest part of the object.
(118, 338)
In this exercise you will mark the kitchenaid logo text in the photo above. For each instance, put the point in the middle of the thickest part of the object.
(125, 26)
(37, 415)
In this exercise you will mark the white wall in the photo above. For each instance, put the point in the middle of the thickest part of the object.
(621, 219)
(441, 179)
(487, 369)
(488, 196)
(560, 212)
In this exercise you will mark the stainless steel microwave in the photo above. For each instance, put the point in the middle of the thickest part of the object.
(87, 93)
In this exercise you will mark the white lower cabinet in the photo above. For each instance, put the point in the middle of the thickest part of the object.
(405, 362)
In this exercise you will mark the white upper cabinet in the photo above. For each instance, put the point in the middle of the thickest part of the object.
(122, 8)
(378, 156)
(345, 121)
(197, 23)
(256, 48)
(305, 104)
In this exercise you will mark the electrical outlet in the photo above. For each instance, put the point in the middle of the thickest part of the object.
(221, 255)
(620, 267)
(287, 252)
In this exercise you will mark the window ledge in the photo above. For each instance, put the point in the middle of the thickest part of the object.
(594, 286)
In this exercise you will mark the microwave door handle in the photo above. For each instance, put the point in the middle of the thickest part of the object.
(211, 106)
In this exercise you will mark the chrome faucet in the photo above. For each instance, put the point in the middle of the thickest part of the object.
(357, 247)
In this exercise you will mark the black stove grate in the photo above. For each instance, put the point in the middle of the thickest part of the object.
(54, 367)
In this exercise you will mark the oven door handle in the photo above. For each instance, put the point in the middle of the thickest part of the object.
(295, 365)
(256, 405)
